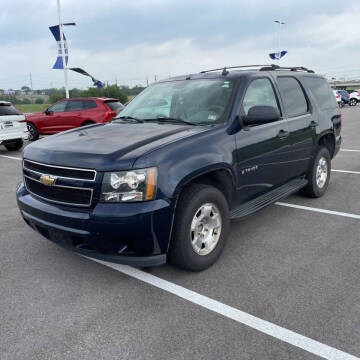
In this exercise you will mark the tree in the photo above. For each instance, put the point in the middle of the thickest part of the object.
(25, 88)
(39, 100)
(56, 97)
(26, 101)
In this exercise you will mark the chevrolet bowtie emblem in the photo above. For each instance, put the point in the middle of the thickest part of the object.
(47, 180)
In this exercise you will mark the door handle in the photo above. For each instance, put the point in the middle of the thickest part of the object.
(313, 124)
(282, 134)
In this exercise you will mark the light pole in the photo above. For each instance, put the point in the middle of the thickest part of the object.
(279, 22)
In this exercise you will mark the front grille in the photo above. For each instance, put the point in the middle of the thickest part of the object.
(68, 188)
(72, 173)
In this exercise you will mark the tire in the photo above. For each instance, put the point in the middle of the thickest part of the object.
(33, 131)
(319, 174)
(196, 201)
(15, 146)
(341, 104)
(353, 102)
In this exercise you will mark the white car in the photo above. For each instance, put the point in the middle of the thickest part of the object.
(354, 98)
(338, 98)
(12, 131)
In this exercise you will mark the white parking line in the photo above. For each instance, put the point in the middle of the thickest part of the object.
(346, 171)
(308, 208)
(351, 150)
(266, 327)
(10, 157)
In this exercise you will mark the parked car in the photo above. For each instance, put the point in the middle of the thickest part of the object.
(162, 182)
(338, 98)
(71, 113)
(13, 129)
(345, 96)
(354, 98)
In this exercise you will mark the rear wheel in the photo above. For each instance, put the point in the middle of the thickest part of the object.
(201, 228)
(14, 146)
(352, 102)
(319, 174)
(33, 132)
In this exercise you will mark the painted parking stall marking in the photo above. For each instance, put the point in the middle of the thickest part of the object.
(308, 208)
(346, 171)
(266, 327)
(10, 157)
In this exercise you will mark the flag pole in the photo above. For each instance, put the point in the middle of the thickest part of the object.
(63, 51)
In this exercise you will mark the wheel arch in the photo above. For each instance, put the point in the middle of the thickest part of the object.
(220, 176)
(328, 140)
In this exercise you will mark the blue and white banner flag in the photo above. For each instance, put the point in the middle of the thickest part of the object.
(277, 55)
(59, 62)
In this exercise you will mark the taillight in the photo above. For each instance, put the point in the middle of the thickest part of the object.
(347, 96)
(109, 115)
(358, 94)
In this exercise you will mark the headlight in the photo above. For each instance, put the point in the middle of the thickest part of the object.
(128, 186)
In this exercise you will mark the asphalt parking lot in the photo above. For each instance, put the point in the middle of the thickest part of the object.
(288, 284)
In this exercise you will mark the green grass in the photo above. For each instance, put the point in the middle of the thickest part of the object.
(30, 108)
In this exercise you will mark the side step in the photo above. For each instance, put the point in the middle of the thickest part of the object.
(268, 198)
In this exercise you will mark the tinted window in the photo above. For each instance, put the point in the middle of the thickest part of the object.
(321, 91)
(115, 105)
(74, 105)
(8, 110)
(58, 107)
(293, 96)
(89, 104)
(259, 93)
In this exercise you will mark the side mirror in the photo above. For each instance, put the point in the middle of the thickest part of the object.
(261, 115)
(48, 112)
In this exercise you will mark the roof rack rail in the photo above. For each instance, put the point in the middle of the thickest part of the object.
(224, 69)
(270, 67)
(290, 68)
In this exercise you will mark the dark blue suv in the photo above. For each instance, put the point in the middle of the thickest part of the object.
(189, 154)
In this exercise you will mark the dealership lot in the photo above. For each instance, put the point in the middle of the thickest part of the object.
(296, 268)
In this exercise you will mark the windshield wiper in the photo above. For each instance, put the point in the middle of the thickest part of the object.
(128, 118)
(170, 120)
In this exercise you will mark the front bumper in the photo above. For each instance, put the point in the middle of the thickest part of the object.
(128, 233)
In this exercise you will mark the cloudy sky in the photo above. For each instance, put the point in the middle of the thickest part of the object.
(134, 40)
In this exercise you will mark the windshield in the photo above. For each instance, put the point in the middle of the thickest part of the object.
(194, 101)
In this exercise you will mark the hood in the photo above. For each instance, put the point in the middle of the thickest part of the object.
(111, 146)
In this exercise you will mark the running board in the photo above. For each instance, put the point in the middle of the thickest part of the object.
(268, 198)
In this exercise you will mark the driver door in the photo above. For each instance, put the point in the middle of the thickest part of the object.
(52, 122)
(264, 149)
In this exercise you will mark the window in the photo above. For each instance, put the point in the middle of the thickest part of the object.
(8, 109)
(199, 101)
(115, 105)
(74, 105)
(259, 93)
(89, 104)
(293, 96)
(321, 91)
(58, 107)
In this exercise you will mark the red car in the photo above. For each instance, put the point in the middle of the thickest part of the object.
(71, 113)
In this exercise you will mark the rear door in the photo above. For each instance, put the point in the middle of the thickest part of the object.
(72, 117)
(262, 150)
(302, 123)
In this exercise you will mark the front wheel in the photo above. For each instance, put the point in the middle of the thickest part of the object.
(201, 228)
(15, 146)
(319, 174)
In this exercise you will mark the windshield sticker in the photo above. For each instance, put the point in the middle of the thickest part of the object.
(212, 117)
(226, 84)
